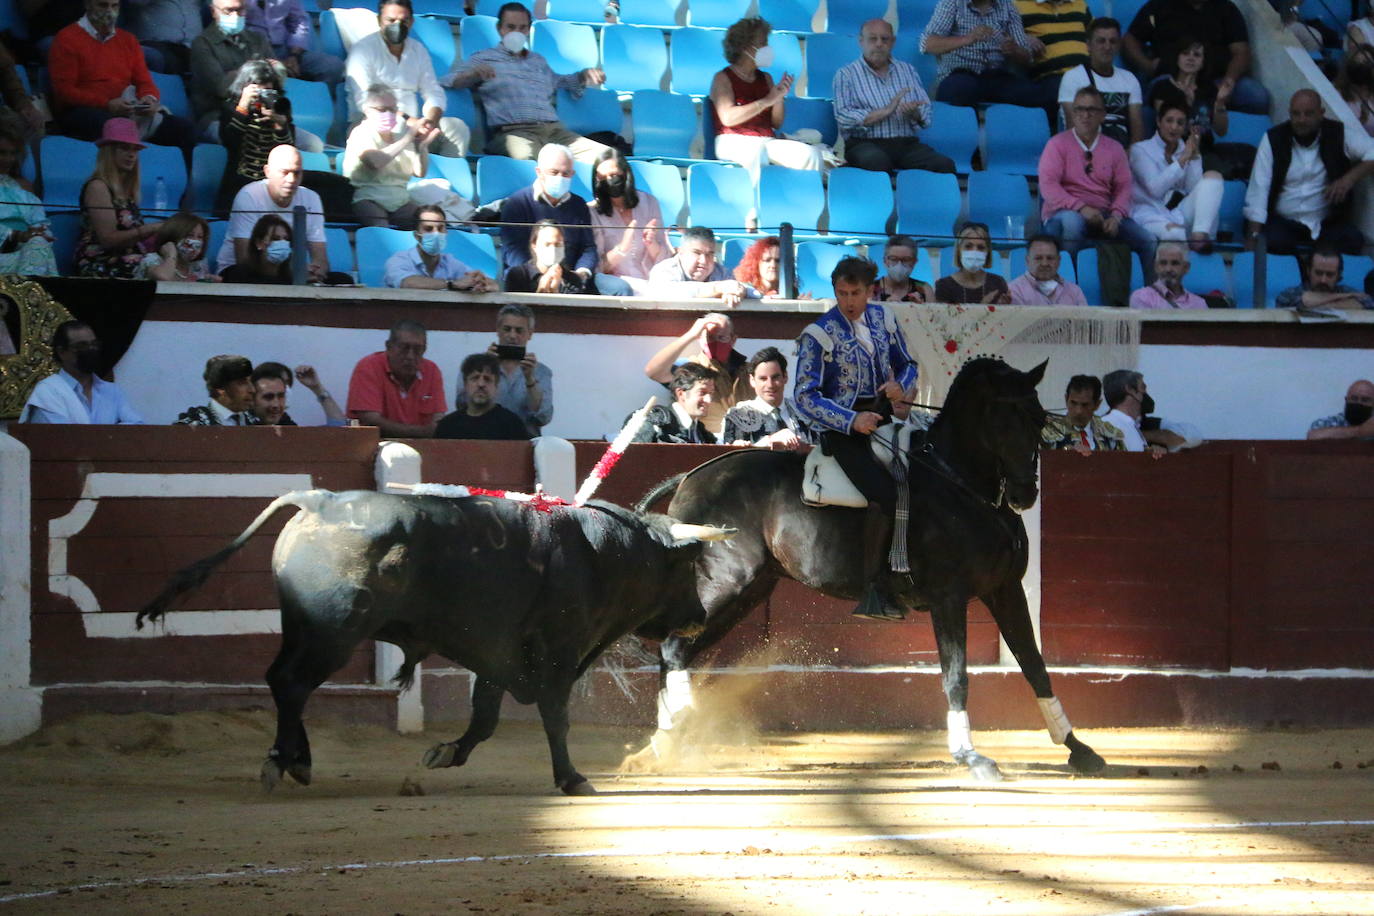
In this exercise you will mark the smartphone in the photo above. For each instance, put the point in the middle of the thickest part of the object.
(505, 352)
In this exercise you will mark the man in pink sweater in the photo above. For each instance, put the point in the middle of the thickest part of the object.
(98, 73)
(1085, 184)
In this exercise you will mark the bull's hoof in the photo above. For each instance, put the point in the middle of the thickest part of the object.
(299, 772)
(578, 785)
(1083, 759)
(982, 769)
(440, 756)
(270, 774)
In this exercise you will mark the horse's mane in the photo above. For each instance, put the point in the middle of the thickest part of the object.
(963, 392)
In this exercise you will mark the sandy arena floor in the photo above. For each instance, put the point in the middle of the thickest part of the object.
(153, 814)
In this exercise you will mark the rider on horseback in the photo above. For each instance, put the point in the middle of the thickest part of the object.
(852, 366)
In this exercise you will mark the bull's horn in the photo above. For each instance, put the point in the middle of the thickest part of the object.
(684, 532)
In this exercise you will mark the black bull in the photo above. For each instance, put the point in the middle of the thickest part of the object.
(525, 599)
(965, 539)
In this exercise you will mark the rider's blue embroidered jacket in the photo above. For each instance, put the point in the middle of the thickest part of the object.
(834, 370)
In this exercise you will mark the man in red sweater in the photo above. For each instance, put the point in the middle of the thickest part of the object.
(92, 64)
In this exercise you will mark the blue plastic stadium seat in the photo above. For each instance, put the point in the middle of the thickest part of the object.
(456, 171)
(848, 17)
(582, 179)
(219, 228)
(994, 198)
(437, 37)
(928, 204)
(953, 131)
(208, 162)
(815, 261)
(1233, 210)
(1206, 273)
(826, 53)
(661, 14)
(451, 10)
(694, 57)
(596, 110)
(1353, 269)
(665, 125)
(339, 250)
(860, 203)
(790, 195)
(171, 89)
(489, 7)
(787, 57)
(1281, 272)
(789, 15)
(1124, 12)
(477, 33)
(65, 164)
(498, 176)
(912, 16)
(733, 252)
(476, 250)
(1089, 279)
(459, 103)
(331, 42)
(13, 21)
(316, 162)
(719, 196)
(1246, 128)
(568, 48)
(1015, 138)
(66, 232)
(818, 114)
(169, 164)
(713, 14)
(585, 12)
(311, 106)
(664, 182)
(634, 57)
(376, 244)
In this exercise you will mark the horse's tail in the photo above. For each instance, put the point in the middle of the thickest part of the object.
(194, 576)
(665, 488)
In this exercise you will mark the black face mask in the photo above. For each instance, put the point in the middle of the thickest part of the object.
(395, 33)
(612, 187)
(88, 362)
(1355, 414)
(1147, 405)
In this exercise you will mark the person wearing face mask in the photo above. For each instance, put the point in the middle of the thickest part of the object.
(517, 89)
(547, 270)
(77, 393)
(1356, 421)
(98, 73)
(229, 380)
(277, 192)
(1041, 284)
(287, 27)
(427, 266)
(748, 105)
(714, 335)
(1130, 403)
(217, 53)
(970, 282)
(381, 157)
(897, 284)
(390, 57)
(180, 252)
(267, 257)
(627, 223)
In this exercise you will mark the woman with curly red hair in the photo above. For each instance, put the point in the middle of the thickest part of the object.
(761, 267)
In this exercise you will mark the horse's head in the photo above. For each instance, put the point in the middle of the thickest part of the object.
(995, 418)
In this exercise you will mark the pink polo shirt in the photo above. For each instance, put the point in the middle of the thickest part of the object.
(374, 388)
(1156, 296)
(1065, 183)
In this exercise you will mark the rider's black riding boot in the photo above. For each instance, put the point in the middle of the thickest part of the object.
(878, 601)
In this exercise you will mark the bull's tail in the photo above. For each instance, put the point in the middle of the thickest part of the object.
(666, 488)
(194, 576)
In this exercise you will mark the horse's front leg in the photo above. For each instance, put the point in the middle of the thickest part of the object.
(1009, 610)
(949, 617)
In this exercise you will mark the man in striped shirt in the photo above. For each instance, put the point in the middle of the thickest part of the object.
(880, 104)
(1058, 32)
(976, 40)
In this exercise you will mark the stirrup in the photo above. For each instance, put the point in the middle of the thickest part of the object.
(873, 606)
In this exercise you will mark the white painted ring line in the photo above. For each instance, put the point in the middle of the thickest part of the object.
(844, 841)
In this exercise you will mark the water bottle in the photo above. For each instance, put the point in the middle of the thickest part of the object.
(160, 194)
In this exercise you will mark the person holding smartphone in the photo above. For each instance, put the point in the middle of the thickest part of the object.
(525, 385)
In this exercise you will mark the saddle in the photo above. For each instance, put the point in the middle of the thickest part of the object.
(824, 482)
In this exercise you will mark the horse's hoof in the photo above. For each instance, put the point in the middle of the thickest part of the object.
(299, 772)
(578, 786)
(1086, 761)
(270, 774)
(984, 769)
(440, 756)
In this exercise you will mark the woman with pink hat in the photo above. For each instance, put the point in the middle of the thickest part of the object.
(113, 233)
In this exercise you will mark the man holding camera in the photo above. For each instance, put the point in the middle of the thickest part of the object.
(525, 385)
(98, 72)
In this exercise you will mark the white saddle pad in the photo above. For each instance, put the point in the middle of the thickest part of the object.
(824, 482)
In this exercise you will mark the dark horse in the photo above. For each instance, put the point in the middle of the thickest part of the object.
(976, 471)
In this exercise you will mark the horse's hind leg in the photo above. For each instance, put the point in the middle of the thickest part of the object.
(486, 712)
(1008, 607)
(949, 617)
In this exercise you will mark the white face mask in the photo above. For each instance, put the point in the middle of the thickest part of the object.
(546, 256)
(974, 260)
(763, 57)
(899, 272)
(514, 42)
(1046, 286)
